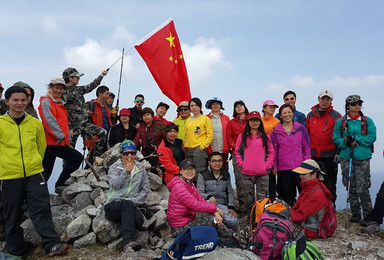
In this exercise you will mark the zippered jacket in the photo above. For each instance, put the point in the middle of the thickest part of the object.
(353, 127)
(234, 129)
(297, 116)
(320, 129)
(55, 121)
(290, 149)
(224, 125)
(184, 201)
(168, 159)
(22, 147)
(253, 159)
(133, 186)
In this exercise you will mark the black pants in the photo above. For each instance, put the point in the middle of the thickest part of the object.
(72, 158)
(33, 190)
(377, 213)
(328, 165)
(272, 187)
(287, 182)
(128, 215)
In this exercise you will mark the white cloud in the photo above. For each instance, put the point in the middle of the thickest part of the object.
(203, 58)
(49, 24)
(122, 34)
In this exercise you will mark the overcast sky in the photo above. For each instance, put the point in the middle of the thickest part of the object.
(249, 50)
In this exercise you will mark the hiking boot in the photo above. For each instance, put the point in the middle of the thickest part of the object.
(373, 227)
(58, 249)
(365, 223)
(134, 245)
(356, 218)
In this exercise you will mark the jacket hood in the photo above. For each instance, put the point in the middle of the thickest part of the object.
(173, 182)
(309, 185)
(9, 118)
(280, 129)
(315, 109)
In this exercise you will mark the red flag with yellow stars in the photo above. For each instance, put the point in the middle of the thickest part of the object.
(161, 51)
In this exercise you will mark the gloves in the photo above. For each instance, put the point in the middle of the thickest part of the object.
(350, 140)
(336, 159)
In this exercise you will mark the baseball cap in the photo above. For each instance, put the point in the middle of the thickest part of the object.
(71, 72)
(327, 93)
(125, 112)
(308, 166)
(162, 104)
(208, 104)
(57, 81)
(127, 145)
(185, 163)
(237, 102)
(21, 84)
(253, 114)
(183, 104)
(353, 98)
(270, 103)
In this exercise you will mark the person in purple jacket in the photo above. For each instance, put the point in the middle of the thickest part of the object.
(254, 154)
(292, 146)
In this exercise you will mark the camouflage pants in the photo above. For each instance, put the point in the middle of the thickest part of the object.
(248, 183)
(239, 190)
(88, 129)
(203, 219)
(359, 196)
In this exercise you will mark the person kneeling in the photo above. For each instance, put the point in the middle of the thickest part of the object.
(312, 205)
(215, 186)
(185, 200)
(128, 190)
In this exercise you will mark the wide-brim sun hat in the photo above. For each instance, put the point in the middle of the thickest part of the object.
(309, 166)
(209, 102)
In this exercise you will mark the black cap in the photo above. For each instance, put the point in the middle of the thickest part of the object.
(185, 163)
(162, 104)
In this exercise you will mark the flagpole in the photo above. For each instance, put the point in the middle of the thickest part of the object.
(121, 73)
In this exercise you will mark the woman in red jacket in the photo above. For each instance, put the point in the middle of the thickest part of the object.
(172, 152)
(312, 205)
(234, 129)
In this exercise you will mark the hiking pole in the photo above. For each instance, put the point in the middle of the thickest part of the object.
(121, 73)
(348, 186)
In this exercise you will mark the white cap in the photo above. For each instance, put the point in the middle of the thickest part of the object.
(327, 93)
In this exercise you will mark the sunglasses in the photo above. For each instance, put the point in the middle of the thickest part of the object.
(128, 153)
(216, 161)
(183, 109)
(287, 99)
(356, 104)
(139, 101)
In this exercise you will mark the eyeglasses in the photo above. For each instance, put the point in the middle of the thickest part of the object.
(139, 101)
(356, 104)
(128, 153)
(287, 99)
(183, 109)
(190, 169)
(216, 161)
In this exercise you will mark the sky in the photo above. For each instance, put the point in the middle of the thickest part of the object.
(250, 50)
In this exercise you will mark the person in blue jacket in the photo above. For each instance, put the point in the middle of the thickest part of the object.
(357, 132)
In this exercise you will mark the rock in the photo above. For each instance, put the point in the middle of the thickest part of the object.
(98, 161)
(87, 240)
(82, 200)
(229, 253)
(100, 200)
(165, 232)
(356, 245)
(148, 222)
(70, 181)
(91, 177)
(30, 233)
(142, 238)
(380, 254)
(96, 193)
(100, 184)
(155, 181)
(93, 212)
(153, 198)
(163, 190)
(72, 190)
(62, 215)
(81, 173)
(77, 228)
(116, 244)
(105, 229)
(161, 220)
(55, 199)
(153, 240)
(164, 203)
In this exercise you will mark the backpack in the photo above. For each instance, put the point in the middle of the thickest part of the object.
(364, 127)
(272, 231)
(300, 248)
(192, 243)
(328, 224)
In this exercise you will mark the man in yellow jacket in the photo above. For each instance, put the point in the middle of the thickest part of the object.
(22, 147)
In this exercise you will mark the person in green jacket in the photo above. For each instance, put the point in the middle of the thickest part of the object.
(183, 113)
(357, 132)
(22, 147)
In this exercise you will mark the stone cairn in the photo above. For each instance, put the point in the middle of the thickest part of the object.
(79, 217)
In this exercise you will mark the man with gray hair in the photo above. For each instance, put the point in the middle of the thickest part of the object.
(77, 109)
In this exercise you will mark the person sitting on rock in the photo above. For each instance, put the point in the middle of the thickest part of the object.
(128, 190)
(185, 200)
(312, 205)
(215, 186)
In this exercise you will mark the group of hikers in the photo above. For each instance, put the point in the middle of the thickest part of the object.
(272, 154)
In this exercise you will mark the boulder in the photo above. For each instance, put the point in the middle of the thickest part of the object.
(155, 181)
(153, 198)
(72, 190)
(62, 215)
(77, 228)
(105, 229)
(30, 233)
(81, 201)
(161, 220)
(87, 240)
(81, 173)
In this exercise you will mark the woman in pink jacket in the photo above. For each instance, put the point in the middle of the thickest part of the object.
(292, 146)
(185, 200)
(254, 153)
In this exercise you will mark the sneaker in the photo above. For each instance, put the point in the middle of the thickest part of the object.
(373, 227)
(58, 249)
(134, 245)
(355, 218)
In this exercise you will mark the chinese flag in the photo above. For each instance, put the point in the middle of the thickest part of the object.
(162, 53)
